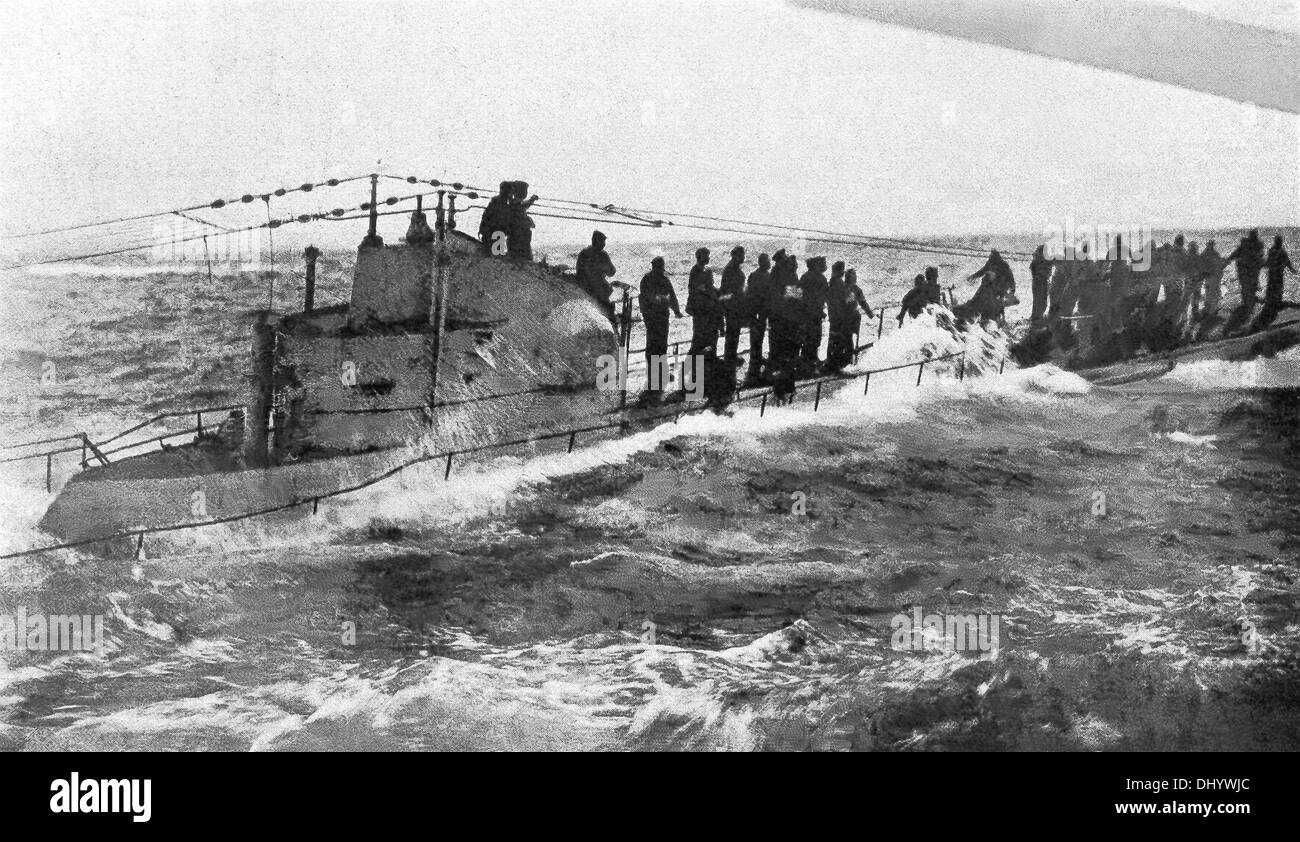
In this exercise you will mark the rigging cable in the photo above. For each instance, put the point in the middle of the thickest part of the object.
(306, 187)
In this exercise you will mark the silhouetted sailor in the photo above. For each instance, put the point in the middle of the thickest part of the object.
(1278, 262)
(519, 226)
(914, 302)
(1249, 256)
(656, 299)
(757, 290)
(702, 306)
(998, 281)
(933, 292)
(1040, 271)
(845, 305)
(1212, 271)
(813, 284)
(784, 310)
(731, 296)
(594, 266)
(496, 218)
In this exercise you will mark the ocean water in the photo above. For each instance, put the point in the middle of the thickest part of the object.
(729, 581)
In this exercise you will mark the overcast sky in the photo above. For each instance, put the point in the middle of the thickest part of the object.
(754, 109)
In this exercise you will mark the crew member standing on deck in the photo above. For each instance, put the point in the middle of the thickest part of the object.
(1249, 256)
(914, 302)
(1278, 262)
(731, 296)
(813, 284)
(656, 298)
(519, 225)
(495, 218)
(1000, 280)
(784, 308)
(1040, 270)
(841, 306)
(1211, 270)
(857, 303)
(933, 292)
(594, 266)
(702, 306)
(756, 295)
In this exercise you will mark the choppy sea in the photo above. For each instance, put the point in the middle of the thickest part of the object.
(729, 581)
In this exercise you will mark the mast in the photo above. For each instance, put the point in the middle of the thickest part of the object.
(372, 238)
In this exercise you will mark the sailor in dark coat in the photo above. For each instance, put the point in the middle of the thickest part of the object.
(1278, 262)
(845, 305)
(1249, 256)
(702, 306)
(757, 290)
(1040, 271)
(915, 300)
(998, 281)
(519, 225)
(656, 298)
(813, 284)
(594, 266)
(731, 296)
(784, 311)
(495, 219)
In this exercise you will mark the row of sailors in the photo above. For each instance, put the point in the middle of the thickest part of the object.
(772, 302)
(1119, 299)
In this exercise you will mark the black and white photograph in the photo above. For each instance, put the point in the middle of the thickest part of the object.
(650, 376)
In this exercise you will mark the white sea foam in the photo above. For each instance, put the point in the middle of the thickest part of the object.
(1280, 371)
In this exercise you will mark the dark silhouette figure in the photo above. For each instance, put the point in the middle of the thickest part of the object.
(496, 219)
(933, 292)
(519, 225)
(813, 284)
(1249, 259)
(784, 309)
(656, 299)
(757, 290)
(997, 284)
(1040, 272)
(702, 306)
(845, 305)
(915, 300)
(594, 266)
(731, 296)
(1278, 262)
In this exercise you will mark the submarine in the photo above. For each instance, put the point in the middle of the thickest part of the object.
(442, 348)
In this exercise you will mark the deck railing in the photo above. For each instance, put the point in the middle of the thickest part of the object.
(623, 425)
